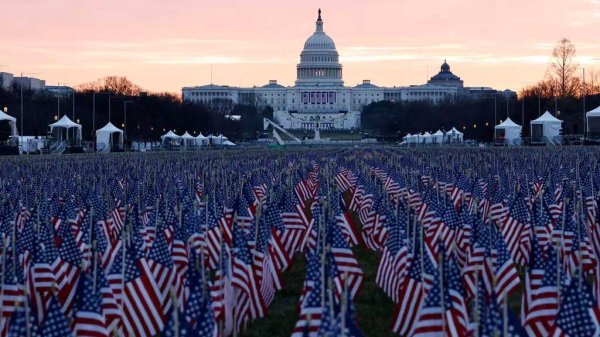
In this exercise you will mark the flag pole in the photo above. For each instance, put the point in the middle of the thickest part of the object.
(26, 292)
(4, 244)
(175, 311)
(505, 316)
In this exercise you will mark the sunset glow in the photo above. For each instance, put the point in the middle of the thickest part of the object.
(164, 46)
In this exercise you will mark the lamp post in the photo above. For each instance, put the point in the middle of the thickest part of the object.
(125, 117)
(94, 108)
(22, 98)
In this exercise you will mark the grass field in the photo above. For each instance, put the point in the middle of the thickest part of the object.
(373, 308)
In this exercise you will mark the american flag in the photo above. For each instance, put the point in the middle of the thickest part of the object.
(430, 320)
(164, 273)
(540, 296)
(250, 304)
(394, 263)
(578, 314)
(89, 319)
(348, 269)
(23, 323)
(455, 304)
(410, 297)
(66, 269)
(198, 309)
(311, 301)
(142, 309)
(11, 289)
(505, 275)
(55, 324)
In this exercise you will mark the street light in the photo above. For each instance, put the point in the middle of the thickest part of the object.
(584, 95)
(125, 117)
(94, 107)
(22, 98)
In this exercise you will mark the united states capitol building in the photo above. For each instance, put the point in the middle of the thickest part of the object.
(319, 98)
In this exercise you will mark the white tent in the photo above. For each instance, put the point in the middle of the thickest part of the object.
(169, 136)
(65, 124)
(454, 136)
(104, 138)
(593, 123)
(508, 132)
(228, 143)
(438, 137)
(546, 129)
(12, 122)
(426, 138)
(201, 139)
(188, 139)
(220, 139)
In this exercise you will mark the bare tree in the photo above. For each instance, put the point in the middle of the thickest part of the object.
(593, 85)
(114, 84)
(564, 67)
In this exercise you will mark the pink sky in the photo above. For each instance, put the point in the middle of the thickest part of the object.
(164, 45)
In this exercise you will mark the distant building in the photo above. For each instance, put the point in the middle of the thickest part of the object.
(6, 81)
(30, 83)
(319, 98)
(59, 90)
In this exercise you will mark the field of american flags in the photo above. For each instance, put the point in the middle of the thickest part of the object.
(302, 242)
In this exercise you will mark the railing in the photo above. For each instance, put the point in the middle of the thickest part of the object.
(58, 147)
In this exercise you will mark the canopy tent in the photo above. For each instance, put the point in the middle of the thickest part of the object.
(437, 137)
(228, 143)
(109, 138)
(217, 140)
(201, 139)
(169, 137)
(508, 132)
(426, 138)
(454, 136)
(60, 131)
(592, 119)
(188, 140)
(12, 123)
(546, 130)
(220, 139)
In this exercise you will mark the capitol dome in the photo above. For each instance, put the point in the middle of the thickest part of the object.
(319, 40)
(319, 61)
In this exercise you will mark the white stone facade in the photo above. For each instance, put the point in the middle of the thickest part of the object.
(319, 97)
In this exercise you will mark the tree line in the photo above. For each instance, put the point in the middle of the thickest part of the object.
(149, 115)
(473, 117)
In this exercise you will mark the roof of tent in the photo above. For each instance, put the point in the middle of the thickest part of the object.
(426, 134)
(455, 131)
(65, 122)
(109, 127)
(227, 142)
(201, 136)
(170, 134)
(546, 118)
(508, 123)
(186, 135)
(438, 133)
(5, 117)
(593, 113)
